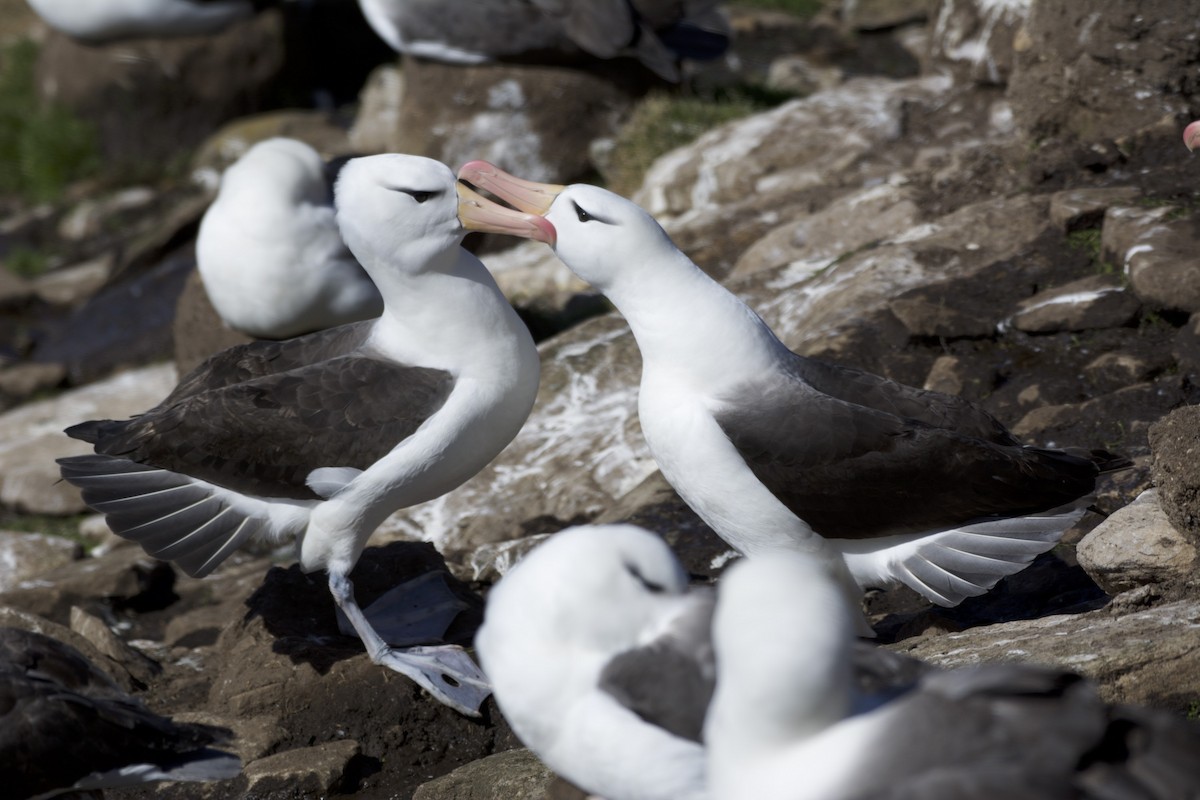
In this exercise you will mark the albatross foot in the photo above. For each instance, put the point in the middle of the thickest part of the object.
(445, 671)
(419, 611)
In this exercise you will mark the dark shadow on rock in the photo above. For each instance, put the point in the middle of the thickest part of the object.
(1046, 587)
(298, 610)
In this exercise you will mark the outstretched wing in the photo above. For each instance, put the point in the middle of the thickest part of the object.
(265, 435)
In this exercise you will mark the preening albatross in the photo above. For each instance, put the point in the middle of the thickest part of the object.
(782, 725)
(65, 726)
(269, 250)
(100, 21)
(883, 482)
(601, 659)
(321, 437)
(657, 33)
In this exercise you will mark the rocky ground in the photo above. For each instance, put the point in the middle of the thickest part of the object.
(987, 199)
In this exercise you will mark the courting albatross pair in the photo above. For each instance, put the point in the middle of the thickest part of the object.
(323, 436)
(604, 662)
(883, 482)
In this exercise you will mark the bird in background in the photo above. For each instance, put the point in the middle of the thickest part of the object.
(321, 437)
(655, 32)
(269, 251)
(884, 483)
(65, 726)
(104, 21)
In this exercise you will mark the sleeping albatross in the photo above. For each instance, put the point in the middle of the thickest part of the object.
(657, 33)
(782, 725)
(269, 251)
(100, 21)
(885, 483)
(601, 659)
(65, 726)
(323, 436)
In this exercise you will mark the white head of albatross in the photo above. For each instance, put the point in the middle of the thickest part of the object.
(599, 658)
(883, 482)
(269, 250)
(782, 723)
(321, 437)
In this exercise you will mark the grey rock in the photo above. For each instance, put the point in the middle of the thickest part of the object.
(147, 98)
(1137, 546)
(31, 436)
(198, 330)
(511, 775)
(847, 224)
(1109, 81)
(1098, 301)
(867, 15)
(1162, 264)
(1122, 228)
(1078, 209)
(1112, 371)
(1175, 443)
(19, 382)
(945, 376)
(455, 113)
(1148, 656)
(89, 217)
(314, 770)
(141, 668)
(1118, 420)
(71, 285)
(380, 108)
(11, 617)
(798, 75)
(488, 563)
(15, 291)
(975, 38)
(24, 556)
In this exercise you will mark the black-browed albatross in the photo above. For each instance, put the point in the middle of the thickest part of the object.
(886, 483)
(269, 251)
(323, 436)
(601, 659)
(65, 726)
(783, 722)
(656, 32)
(101, 21)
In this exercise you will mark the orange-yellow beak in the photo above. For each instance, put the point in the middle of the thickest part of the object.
(534, 198)
(477, 213)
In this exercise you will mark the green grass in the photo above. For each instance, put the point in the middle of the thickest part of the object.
(27, 262)
(63, 527)
(662, 122)
(42, 147)
(1087, 241)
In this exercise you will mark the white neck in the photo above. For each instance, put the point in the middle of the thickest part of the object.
(451, 316)
(687, 323)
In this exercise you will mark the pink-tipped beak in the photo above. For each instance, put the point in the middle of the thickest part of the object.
(1191, 135)
(477, 213)
(534, 198)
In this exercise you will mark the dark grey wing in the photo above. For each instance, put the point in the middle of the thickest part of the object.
(600, 27)
(39, 717)
(874, 391)
(1006, 730)
(669, 682)
(855, 472)
(260, 358)
(265, 435)
(42, 656)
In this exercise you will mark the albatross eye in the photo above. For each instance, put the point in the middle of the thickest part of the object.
(421, 197)
(583, 215)
(651, 586)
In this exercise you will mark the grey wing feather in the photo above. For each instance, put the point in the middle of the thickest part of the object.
(1005, 730)
(264, 436)
(669, 682)
(821, 456)
(168, 514)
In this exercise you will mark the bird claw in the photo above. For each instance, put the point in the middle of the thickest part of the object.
(445, 671)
